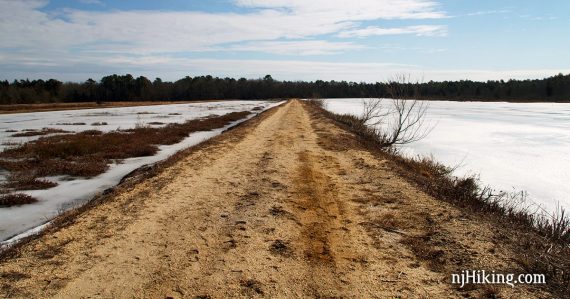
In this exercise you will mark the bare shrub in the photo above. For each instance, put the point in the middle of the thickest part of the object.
(555, 225)
(16, 200)
(317, 102)
(542, 239)
(27, 182)
(374, 112)
(399, 120)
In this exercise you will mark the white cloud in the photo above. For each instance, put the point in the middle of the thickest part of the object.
(169, 68)
(538, 18)
(97, 2)
(299, 47)
(488, 12)
(70, 43)
(353, 10)
(398, 48)
(22, 24)
(350, 71)
(420, 30)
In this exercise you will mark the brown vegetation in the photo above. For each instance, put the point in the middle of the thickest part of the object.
(17, 199)
(437, 180)
(42, 132)
(246, 192)
(72, 124)
(88, 153)
(25, 182)
(542, 242)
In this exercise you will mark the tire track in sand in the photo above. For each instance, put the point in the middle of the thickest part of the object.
(284, 206)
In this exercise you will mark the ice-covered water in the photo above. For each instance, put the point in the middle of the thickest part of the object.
(67, 194)
(511, 146)
(113, 118)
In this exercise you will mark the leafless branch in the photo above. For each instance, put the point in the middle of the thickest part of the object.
(403, 121)
(374, 112)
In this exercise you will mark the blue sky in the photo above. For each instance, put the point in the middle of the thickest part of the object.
(365, 40)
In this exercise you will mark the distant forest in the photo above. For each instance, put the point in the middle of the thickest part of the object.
(128, 88)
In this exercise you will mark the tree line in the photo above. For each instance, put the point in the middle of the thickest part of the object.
(128, 88)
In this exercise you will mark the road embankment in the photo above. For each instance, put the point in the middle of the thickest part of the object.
(286, 205)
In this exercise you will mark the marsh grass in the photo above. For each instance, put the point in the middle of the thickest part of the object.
(438, 180)
(42, 132)
(17, 199)
(540, 239)
(88, 153)
(20, 182)
(72, 124)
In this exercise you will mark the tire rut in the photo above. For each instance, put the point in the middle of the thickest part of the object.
(284, 207)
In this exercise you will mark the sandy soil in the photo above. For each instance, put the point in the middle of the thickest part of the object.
(285, 206)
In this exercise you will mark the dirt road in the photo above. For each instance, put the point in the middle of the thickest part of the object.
(285, 206)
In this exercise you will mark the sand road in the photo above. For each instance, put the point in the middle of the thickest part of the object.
(285, 206)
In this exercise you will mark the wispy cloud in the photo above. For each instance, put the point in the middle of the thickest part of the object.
(295, 36)
(488, 12)
(538, 18)
(96, 2)
(420, 30)
(350, 10)
(25, 25)
(397, 48)
(77, 44)
(301, 48)
(171, 68)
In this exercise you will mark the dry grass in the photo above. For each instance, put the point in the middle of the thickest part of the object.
(88, 153)
(127, 183)
(436, 179)
(17, 199)
(72, 124)
(14, 276)
(19, 182)
(42, 132)
(317, 102)
(389, 221)
(425, 251)
(541, 241)
(466, 192)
